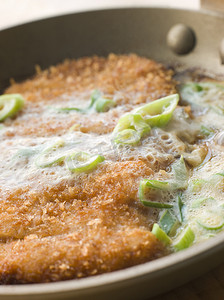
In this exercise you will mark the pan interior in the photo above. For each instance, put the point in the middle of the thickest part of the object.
(140, 30)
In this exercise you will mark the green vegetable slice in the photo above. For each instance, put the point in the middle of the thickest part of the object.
(25, 152)
(197, 184)
(221, 174)
(168, 222)
(96, 94)
(82, 162)
(9, 105)
(211, 213)
(206, 131)
(180, 205)
(48, 157)
(128, 137)
(159, 112)
(130, 125)
(190, 92)
(202, 94)
(196, 87)
(156, 204)
(180, 172)
(67, 109)
(201, 201)
(98, 103)
(103, 104)
(145, 184)
(210, 227)
(154, 184)
(161, 235)
(132, 121)
(185, 239)
(180, 182)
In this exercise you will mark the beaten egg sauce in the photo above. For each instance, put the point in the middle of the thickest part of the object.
(101, 209)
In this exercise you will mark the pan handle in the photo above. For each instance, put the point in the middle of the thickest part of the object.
(217, 5)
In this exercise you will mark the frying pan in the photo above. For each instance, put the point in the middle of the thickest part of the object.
(145, 31)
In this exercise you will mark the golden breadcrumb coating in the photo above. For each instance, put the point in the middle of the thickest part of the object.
(62, 228)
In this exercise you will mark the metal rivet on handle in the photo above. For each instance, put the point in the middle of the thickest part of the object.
(181, 39)
(221, 51)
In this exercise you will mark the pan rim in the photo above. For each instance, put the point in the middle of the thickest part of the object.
(154, 267)
(128, 8)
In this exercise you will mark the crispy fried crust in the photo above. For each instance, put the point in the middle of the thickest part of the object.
(93, 223)
(132, 79)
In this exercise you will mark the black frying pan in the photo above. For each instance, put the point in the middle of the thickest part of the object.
(143, 31)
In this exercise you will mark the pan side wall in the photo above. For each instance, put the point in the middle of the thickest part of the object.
(139, 30)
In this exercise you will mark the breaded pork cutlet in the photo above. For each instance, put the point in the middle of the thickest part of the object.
(56, 224)
(130, 80)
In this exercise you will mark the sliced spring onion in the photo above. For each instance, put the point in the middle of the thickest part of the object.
(103, 104)
(67, 109)
(156, 204)
(25, 152)
(141, 190)
(206, 131)
(128, 137)
(140, 124)
(180, 206)
(161, 235)
(130, 129)
(180, 172)
(132, 121)
(185, 239)
(48, 157)
(146, 185)
(197, 87)
(74, 127)
(168, 222)
(155, 184)
(221, 174)
(82, 162)
(201, 95)
(10, 104)
(202, 201)
(190, 90)
(98, 103)
(196, 94)
(197, 184)
(179, 182)
(159, 112)
(96, 94)
(210, 227)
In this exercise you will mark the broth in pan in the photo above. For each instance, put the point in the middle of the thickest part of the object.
(107, 163)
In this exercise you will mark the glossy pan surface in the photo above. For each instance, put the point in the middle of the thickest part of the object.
(142, 31)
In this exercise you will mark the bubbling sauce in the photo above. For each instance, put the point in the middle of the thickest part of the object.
(76, 203)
